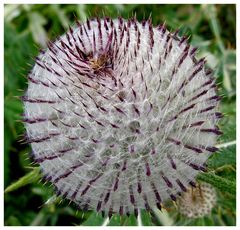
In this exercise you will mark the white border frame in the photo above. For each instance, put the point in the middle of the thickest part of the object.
(109, 2)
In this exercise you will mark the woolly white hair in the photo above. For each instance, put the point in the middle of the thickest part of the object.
(120, 115)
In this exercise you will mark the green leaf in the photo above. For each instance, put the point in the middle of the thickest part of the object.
(131, 221)
(229, 71)
(226, 156)
(222, 184)
(118, 220)
(146, 218)
(60, 13)
(7, 146)
(18, 49)
(208, 221)
(211, 14)
(81, 12)
(37, 22)
(11, 11)
(227, 202)
(29, 178)
(13, 221)
(95, 219)
(228, 123)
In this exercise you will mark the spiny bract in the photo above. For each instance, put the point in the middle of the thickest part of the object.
(120, 115)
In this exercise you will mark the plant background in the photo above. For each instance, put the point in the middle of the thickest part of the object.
(29, 27)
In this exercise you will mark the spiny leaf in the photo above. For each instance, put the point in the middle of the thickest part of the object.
(29, 178)
(95, 219)
(226, 156)
(118, 220)
(222, 184)
(146, 218)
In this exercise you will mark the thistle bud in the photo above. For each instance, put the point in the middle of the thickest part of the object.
(198, 202)
(120, 115)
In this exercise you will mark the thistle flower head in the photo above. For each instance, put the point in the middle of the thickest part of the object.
(120, 115)
(198, 202)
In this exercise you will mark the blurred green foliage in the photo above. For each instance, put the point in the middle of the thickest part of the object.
(29, 27)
